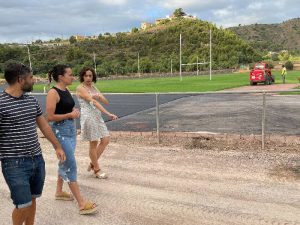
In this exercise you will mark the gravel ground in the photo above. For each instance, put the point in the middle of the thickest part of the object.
(177, 182)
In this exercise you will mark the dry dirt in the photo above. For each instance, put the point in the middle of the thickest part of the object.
(204, 181)
(260, 87)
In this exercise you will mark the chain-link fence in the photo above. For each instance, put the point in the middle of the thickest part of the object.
(257, 113)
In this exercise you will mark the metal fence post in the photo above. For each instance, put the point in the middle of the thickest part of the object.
(263, 122)
(157, 117)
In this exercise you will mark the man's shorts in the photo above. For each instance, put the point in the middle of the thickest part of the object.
(25, 178)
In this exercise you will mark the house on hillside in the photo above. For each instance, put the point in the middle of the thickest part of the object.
(145, 25)
(190, 17)
(79, 37)
(161, 20)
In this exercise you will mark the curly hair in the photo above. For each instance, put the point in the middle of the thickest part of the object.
(84, 70)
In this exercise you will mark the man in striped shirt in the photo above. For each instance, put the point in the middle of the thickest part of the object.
(23, 166)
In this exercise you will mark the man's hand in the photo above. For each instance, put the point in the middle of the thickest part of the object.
(60, 154)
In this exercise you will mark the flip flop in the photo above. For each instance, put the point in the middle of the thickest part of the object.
(89, 208)
(64, 196)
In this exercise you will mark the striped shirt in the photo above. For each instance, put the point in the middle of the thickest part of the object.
(18, 133)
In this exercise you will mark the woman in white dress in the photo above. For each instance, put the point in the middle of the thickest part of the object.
(93, 128)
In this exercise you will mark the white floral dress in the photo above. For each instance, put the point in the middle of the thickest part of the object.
(93, 127)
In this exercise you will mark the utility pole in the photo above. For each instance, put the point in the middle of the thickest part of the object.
(210, 59)
(180, 69)
(171, 67)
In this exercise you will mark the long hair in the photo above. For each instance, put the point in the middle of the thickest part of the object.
(57, 70)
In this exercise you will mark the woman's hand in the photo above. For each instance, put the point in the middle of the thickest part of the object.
(75, 113)
(95, 96)
(112, 116)
(60, 154)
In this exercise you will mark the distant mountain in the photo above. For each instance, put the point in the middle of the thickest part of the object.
(271, 37)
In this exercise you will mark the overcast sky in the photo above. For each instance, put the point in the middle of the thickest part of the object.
(27, 20)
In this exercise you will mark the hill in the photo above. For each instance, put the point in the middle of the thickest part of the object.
(156, 46)
(271, 37)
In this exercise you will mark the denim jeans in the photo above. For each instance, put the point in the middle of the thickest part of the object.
(65, 132)
(25, 178)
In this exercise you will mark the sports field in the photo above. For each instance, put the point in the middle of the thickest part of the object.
(173, 84)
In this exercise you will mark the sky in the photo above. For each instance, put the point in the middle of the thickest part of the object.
(24, 21)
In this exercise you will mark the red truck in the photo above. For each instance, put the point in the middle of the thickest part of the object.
(261, 73)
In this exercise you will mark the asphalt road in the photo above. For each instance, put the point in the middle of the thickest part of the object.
(219, 113)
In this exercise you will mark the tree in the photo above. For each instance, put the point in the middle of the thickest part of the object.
(72, 39)
(134, 30)
(179, 12)
(38, 41)
(289, 65)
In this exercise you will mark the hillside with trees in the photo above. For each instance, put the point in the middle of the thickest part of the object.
(156, 47)
(272, 37)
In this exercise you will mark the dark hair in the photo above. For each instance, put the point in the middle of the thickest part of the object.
(56, 71)
(14, 70)
(283, 65)
(84, 70)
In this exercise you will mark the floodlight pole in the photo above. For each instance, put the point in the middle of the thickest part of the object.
(210, 36)
(95, 63)
(180, 69)
(197, 66)
(139, 64)
(29, 59)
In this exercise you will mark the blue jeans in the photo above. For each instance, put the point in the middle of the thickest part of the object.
(65, 132)
(25, 178)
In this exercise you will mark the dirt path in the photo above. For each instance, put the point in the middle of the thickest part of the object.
(273, 87)
(150, 184)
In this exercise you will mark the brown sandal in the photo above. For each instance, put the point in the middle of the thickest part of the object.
(89, 208)
(64, 196)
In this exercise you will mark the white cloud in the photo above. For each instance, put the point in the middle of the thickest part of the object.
(113, 2)
(22, 20)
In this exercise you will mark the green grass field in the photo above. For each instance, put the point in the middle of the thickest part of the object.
(172, 84)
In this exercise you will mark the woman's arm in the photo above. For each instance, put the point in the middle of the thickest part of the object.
(51, 101)
(83, 93)
(100, 96)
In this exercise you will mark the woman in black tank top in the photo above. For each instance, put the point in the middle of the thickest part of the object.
(61, 113)
(66, 103)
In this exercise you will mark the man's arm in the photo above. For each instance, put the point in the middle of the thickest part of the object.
(47, 131)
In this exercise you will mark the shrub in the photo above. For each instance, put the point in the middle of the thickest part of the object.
(289, 65)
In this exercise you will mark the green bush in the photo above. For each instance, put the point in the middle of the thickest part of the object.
(289, 65)
(271, 65)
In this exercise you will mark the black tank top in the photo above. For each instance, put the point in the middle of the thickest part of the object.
(66, 102)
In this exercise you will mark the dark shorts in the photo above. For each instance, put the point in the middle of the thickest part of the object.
(25, 178)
